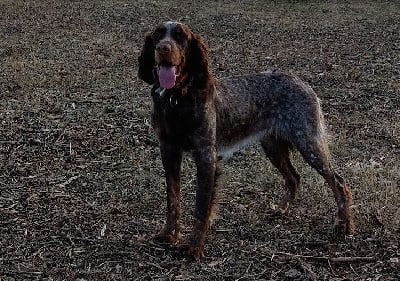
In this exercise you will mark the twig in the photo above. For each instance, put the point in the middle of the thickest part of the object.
(67, 182)
(307, 269)
(352, 259)
(317, 243)
(9, 142)
(300, 256)
(331, 268)
(329, 259)
(21, 273)
(222, 230)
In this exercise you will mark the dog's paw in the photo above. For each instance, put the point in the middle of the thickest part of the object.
(286, 203)
(345, 227)
(191, 252)
(167, 237)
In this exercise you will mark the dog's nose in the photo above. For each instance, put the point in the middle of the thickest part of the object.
(164, 47)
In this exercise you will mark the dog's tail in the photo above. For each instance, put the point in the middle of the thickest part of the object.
(321, 136)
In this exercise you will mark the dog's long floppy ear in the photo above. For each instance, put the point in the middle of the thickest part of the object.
(146, 60)
(198, 61)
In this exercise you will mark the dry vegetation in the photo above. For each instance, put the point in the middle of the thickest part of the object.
(81, 185)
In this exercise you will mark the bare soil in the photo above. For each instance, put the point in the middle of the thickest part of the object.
(81, 182)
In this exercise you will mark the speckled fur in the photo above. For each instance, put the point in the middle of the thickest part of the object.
(212, 118)
(274, 103)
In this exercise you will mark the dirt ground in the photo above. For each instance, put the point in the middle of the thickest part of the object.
(81, 182)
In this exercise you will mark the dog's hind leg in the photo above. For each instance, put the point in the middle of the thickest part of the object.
(171, 158)
(278, 152)
(315, 152)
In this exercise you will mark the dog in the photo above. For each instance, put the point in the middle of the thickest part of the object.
(195, 112)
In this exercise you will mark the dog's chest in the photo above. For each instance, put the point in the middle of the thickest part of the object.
(174, 118)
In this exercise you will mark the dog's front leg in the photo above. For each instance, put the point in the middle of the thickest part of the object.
(171, 157)
(206, 162)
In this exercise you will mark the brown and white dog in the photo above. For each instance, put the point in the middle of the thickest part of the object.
(194, 112)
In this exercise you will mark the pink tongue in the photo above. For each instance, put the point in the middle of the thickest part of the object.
(167, 76)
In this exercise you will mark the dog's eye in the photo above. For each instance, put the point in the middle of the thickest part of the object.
(158, 35)
(179, 35)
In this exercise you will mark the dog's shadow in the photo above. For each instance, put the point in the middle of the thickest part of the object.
(174, 251)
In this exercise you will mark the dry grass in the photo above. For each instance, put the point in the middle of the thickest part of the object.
(81, 186)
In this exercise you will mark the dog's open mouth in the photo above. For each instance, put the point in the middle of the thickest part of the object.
(167, 75)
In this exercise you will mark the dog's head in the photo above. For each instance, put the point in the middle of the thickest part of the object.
(172, 53)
